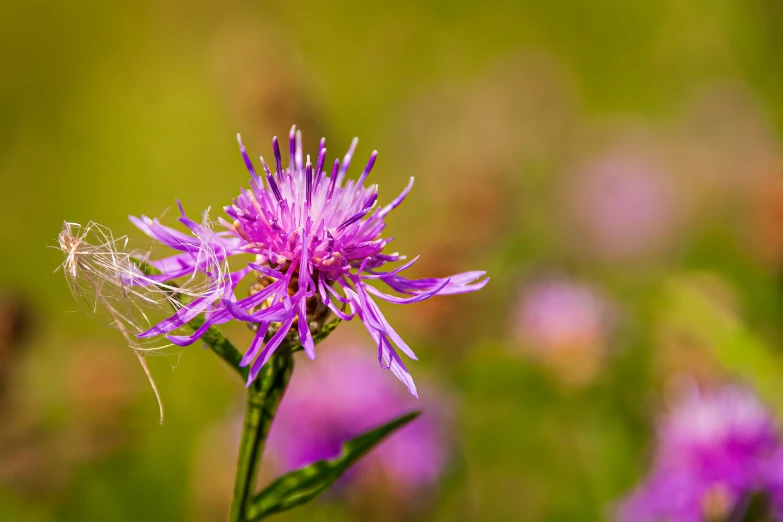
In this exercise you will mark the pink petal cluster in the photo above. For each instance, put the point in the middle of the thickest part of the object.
(313, 239)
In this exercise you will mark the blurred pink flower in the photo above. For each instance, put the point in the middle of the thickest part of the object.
(341, 397)
(714, 450)
(565, 325)
(624, 206)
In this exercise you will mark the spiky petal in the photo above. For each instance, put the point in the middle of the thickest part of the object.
(314, 236)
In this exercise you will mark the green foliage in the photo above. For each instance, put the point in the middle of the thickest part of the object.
(756, 508)
(110, 109)
(692, 310)
(305, 484)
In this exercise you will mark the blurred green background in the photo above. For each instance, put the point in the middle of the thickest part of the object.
(626, 147)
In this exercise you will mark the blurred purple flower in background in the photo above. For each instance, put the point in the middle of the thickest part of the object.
(624, 206)
(312, 234)
(565, 325)
(341, 397)
(714, 451)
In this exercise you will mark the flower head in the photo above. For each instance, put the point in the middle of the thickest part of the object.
(565, 325)
(316, 245)
(557, 314)
(624, 207)
(715, 450)
(329, 403)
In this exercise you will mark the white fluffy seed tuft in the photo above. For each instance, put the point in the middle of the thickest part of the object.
(103, 273)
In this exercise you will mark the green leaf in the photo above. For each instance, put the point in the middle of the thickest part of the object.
(324, 332)
(754, 507)
(690, 309)
(303, 485)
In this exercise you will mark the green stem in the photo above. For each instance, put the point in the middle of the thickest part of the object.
(224, 349)
(213, 338)
(263, 398)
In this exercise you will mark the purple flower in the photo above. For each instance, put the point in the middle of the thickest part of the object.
(715, 449)
(338, 399)
(625, 207)
(316, 245)
(564, 324)
(557, 313)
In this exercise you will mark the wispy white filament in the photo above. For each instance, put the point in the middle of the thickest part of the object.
(103, 273)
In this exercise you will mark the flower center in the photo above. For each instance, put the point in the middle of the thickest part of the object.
(716, 504)
(317, 311)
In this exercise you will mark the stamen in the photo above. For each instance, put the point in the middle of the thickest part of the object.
(278, 157)
(266, 168)
(292, 149)
(371, 200)
(347, 158)
(275, 190)
(245, 157)
(271, 180)
(309, 181)
(298, 150)
(333, 179)
(368, 168)
(238, 227)
(351, 220)
(359, 215)
(320, 166)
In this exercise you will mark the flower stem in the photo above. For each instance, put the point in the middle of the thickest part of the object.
(263, 398)
(212, 338)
